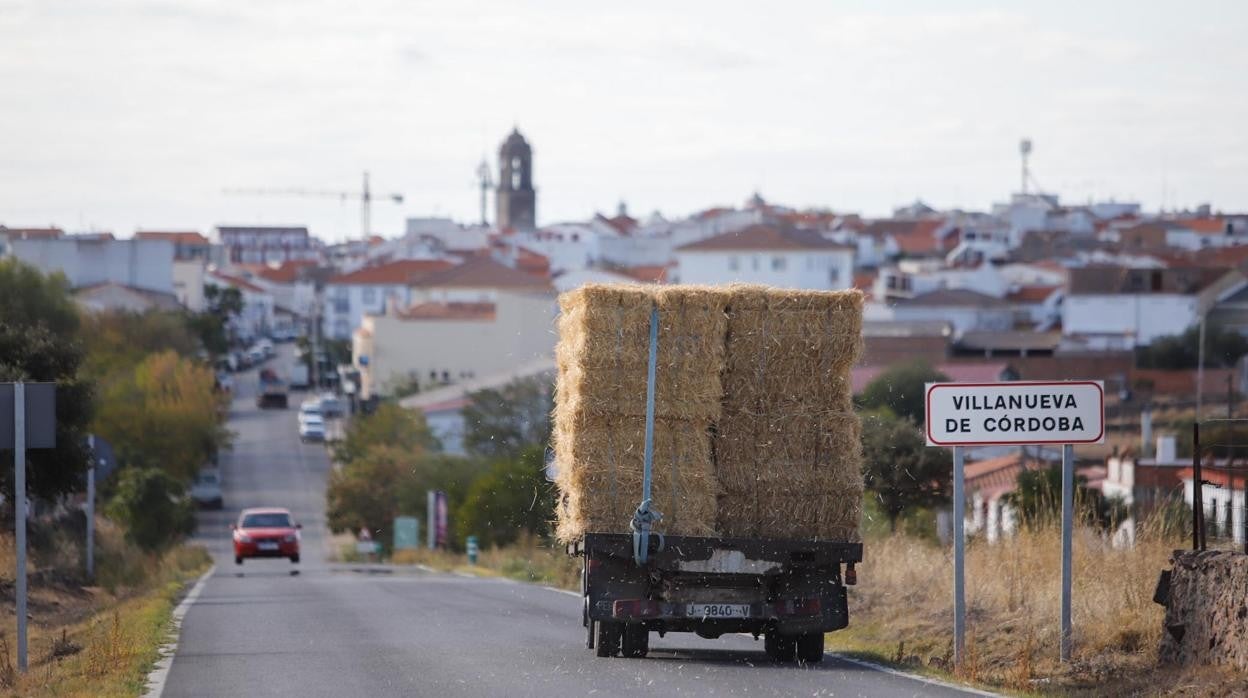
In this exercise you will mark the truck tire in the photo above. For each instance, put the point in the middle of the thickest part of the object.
(636, 641)
(779, 647)
(810, 648)
(607, 644)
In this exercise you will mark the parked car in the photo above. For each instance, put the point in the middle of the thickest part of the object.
(311, 427)
(225, 382)
(206, 490)
(331, 406)
(310, 406)
(266, 532)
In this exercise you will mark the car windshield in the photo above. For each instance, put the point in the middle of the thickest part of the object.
(207, 478)
(266, 520)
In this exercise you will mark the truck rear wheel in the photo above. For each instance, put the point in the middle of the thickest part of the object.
(607, 644)
(810, 648)
(636, 640)
(780, 647)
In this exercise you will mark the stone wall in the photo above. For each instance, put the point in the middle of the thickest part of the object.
(1207, 614)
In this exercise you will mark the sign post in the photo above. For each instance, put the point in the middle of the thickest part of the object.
(33, 425)
(1018, 413)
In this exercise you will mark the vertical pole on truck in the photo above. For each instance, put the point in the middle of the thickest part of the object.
(643, 518)
(959, 557)
(1068, 522)
(19, 508)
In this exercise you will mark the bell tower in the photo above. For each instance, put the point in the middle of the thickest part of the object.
(515, 197)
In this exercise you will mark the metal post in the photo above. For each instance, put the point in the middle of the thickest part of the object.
(1200, 368)
(1198, 502)
(91, 512)
(19, 508)
(644, 517)
(959, 558)
(1068, 524)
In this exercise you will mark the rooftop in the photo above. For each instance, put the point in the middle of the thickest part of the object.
(449, 311)
(1109, 279)
(953, 298)
(397, 273)
(236, 282)
(1032, 294)
(185, 237)
(483, 272)
(765, 237)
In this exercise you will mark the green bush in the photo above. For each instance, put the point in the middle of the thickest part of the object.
(513, 496)
(153, 507)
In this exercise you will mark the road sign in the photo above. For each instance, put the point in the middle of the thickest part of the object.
(437, 506)
(406, 533)
(40, 415)
(1015, 413)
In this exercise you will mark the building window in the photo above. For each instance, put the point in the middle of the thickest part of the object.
(834, 276)
(370, 295)
(779, 263)
(734, 264)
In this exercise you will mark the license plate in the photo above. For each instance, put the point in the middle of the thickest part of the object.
(718, 610)
(267, 546)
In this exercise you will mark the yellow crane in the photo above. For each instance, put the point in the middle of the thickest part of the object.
(364, 196)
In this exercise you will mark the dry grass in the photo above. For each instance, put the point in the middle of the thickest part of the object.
(901, 611)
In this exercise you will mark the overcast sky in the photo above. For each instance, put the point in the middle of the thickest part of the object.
(124, 113)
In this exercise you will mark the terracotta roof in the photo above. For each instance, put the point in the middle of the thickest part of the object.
(483, 272)
(1031, 294)
(963, 372)
(999, 473)
(532, 262)
(1010, 340)
(953, 297)
(1203, 225)
(713, 212)
(236, 282)
(188, 237)
(1109, 280)
(623, 224)
(864, 280)
(31, 233)
(650, 273)
(285, 273)
(158, 299)
(765, 237)
(396, 273)
(449, 311)
(913, 237)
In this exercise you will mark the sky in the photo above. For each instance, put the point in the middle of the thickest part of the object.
(138, 114)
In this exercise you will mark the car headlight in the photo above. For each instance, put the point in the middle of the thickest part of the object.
(244, 538)
(291, 538)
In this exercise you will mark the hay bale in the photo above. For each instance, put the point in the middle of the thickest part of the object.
(788, 443)
(755, 433)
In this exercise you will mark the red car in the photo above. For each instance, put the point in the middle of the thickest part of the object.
(266, 532)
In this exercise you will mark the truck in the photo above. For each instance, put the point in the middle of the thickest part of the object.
(272, 392)
(299, 378)
(790, 592)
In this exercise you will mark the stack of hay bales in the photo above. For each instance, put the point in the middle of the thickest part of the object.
(600, 407)
(755, 433)
(788, 444)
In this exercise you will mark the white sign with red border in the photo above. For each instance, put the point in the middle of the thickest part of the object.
(1015, 413)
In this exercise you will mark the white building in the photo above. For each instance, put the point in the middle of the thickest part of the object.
(349, 297)
(966, 310)
(1116, 308)
(87, 261)
(440, 342)
(768, 255)
(257, 318)
(261, 244)
(478, 280)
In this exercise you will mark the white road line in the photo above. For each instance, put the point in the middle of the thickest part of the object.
(913, 677)
(160, 673)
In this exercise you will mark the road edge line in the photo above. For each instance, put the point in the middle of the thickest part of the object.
(913, 677)
(156, 678)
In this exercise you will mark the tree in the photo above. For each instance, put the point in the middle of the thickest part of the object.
(503, 423)
(1037, 500)
(1182, 351)
(900, 389)
(40, 341)
(153, 507)
(162, 414)
(899, 469)
(388, 425)
(512, 497)
(121, 340)
(214, 325)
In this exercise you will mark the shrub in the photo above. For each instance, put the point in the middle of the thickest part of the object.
(154, 508)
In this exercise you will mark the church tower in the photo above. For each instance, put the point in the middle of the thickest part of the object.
(515, 197)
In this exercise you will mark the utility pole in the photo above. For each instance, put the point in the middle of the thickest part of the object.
(1200, 368)
(485, 182)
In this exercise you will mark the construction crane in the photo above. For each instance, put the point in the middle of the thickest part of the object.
(365, 198)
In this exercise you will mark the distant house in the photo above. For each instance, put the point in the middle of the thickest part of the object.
(351, 296)
(884, 239)
(91, 260)
(261, 244)
(1109, 307)
(478, 280)
(965, 309)
(187, 245)
(764, 254)
(110, 296)
(257, 318)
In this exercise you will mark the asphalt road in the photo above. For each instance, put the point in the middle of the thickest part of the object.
(331, 630)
